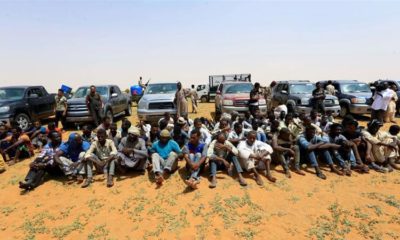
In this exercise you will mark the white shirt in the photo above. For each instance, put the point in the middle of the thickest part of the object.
(245, 150)
(382, 102)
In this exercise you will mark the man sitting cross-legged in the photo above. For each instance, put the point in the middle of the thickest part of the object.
(164, 156)
(312, 146)
(132, 151)
(195, 155)
(256, 154)
(70, 155)
(103, 154)
(222, 154)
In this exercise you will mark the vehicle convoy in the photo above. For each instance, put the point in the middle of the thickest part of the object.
(22, 105)
(297, 95)
(235, 95)
(353, 96)
(157, 99)
(115, 103)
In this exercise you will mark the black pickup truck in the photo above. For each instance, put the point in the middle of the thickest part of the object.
(21, 105)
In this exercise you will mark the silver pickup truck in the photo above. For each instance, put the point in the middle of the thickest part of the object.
(157, 99)
(115, 103)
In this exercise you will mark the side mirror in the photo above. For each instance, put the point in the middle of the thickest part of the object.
(33, 95)
(114, 95)
(284, 92)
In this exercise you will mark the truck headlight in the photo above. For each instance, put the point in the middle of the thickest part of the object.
(227, 102)
(262, 102)
(336, 102)
(142, 104)
(305, 101)
(358, 100)
(4, 109)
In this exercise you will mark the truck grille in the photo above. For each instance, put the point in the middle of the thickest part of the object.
(241, 103)
(329, 102)
(77, 107)
(161, 105)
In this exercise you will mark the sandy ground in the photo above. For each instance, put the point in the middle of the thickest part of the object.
(303, 207)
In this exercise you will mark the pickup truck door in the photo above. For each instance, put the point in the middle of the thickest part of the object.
(277, 95)
(120, 99)
(115, 101)
(285, 96)
(48, 101)
(37, 106)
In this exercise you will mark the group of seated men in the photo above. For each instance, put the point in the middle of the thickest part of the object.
(236, 144)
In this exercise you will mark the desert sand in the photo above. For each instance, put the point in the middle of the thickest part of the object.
(363, 206)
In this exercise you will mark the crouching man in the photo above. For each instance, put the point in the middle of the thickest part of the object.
(164, 156)
(42, 164)
(256, 154)
(70, 155)
(132, 151)
(103, 155)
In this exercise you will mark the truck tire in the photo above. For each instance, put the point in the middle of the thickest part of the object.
(344, 110)
(128, 111)
(204, 99)
(22, 120)
(110, 115)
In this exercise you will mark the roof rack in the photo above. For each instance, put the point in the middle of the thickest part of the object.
(242, 77)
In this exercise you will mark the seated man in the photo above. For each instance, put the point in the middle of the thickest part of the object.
(126, 124)
(312, 146)
(347, 155)
(205, 134)
(223, 127)
(87, 134)
(3, 134)
(383, 147)
(105, 124)
(222, 154)
(260, 132)
(70, 155)
(103, 154)
(195, 155)
(42, 164)
(17, 146)
(256, 154)
(132, 151)
(114, 134)
(237, 134)
(284, 149)
(167, 118)
(164, 156)
(394, 130)
(38, 135)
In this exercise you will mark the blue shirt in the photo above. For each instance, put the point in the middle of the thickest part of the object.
(72, 150)
(192, 149)
(165, 149)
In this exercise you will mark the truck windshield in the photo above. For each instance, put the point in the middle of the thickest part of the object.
(302, 88)
(161, 88)
(11, 93)
(84, 91)
(239, 88)
(355, 88)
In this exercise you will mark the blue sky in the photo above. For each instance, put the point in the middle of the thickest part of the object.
(85, 42)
